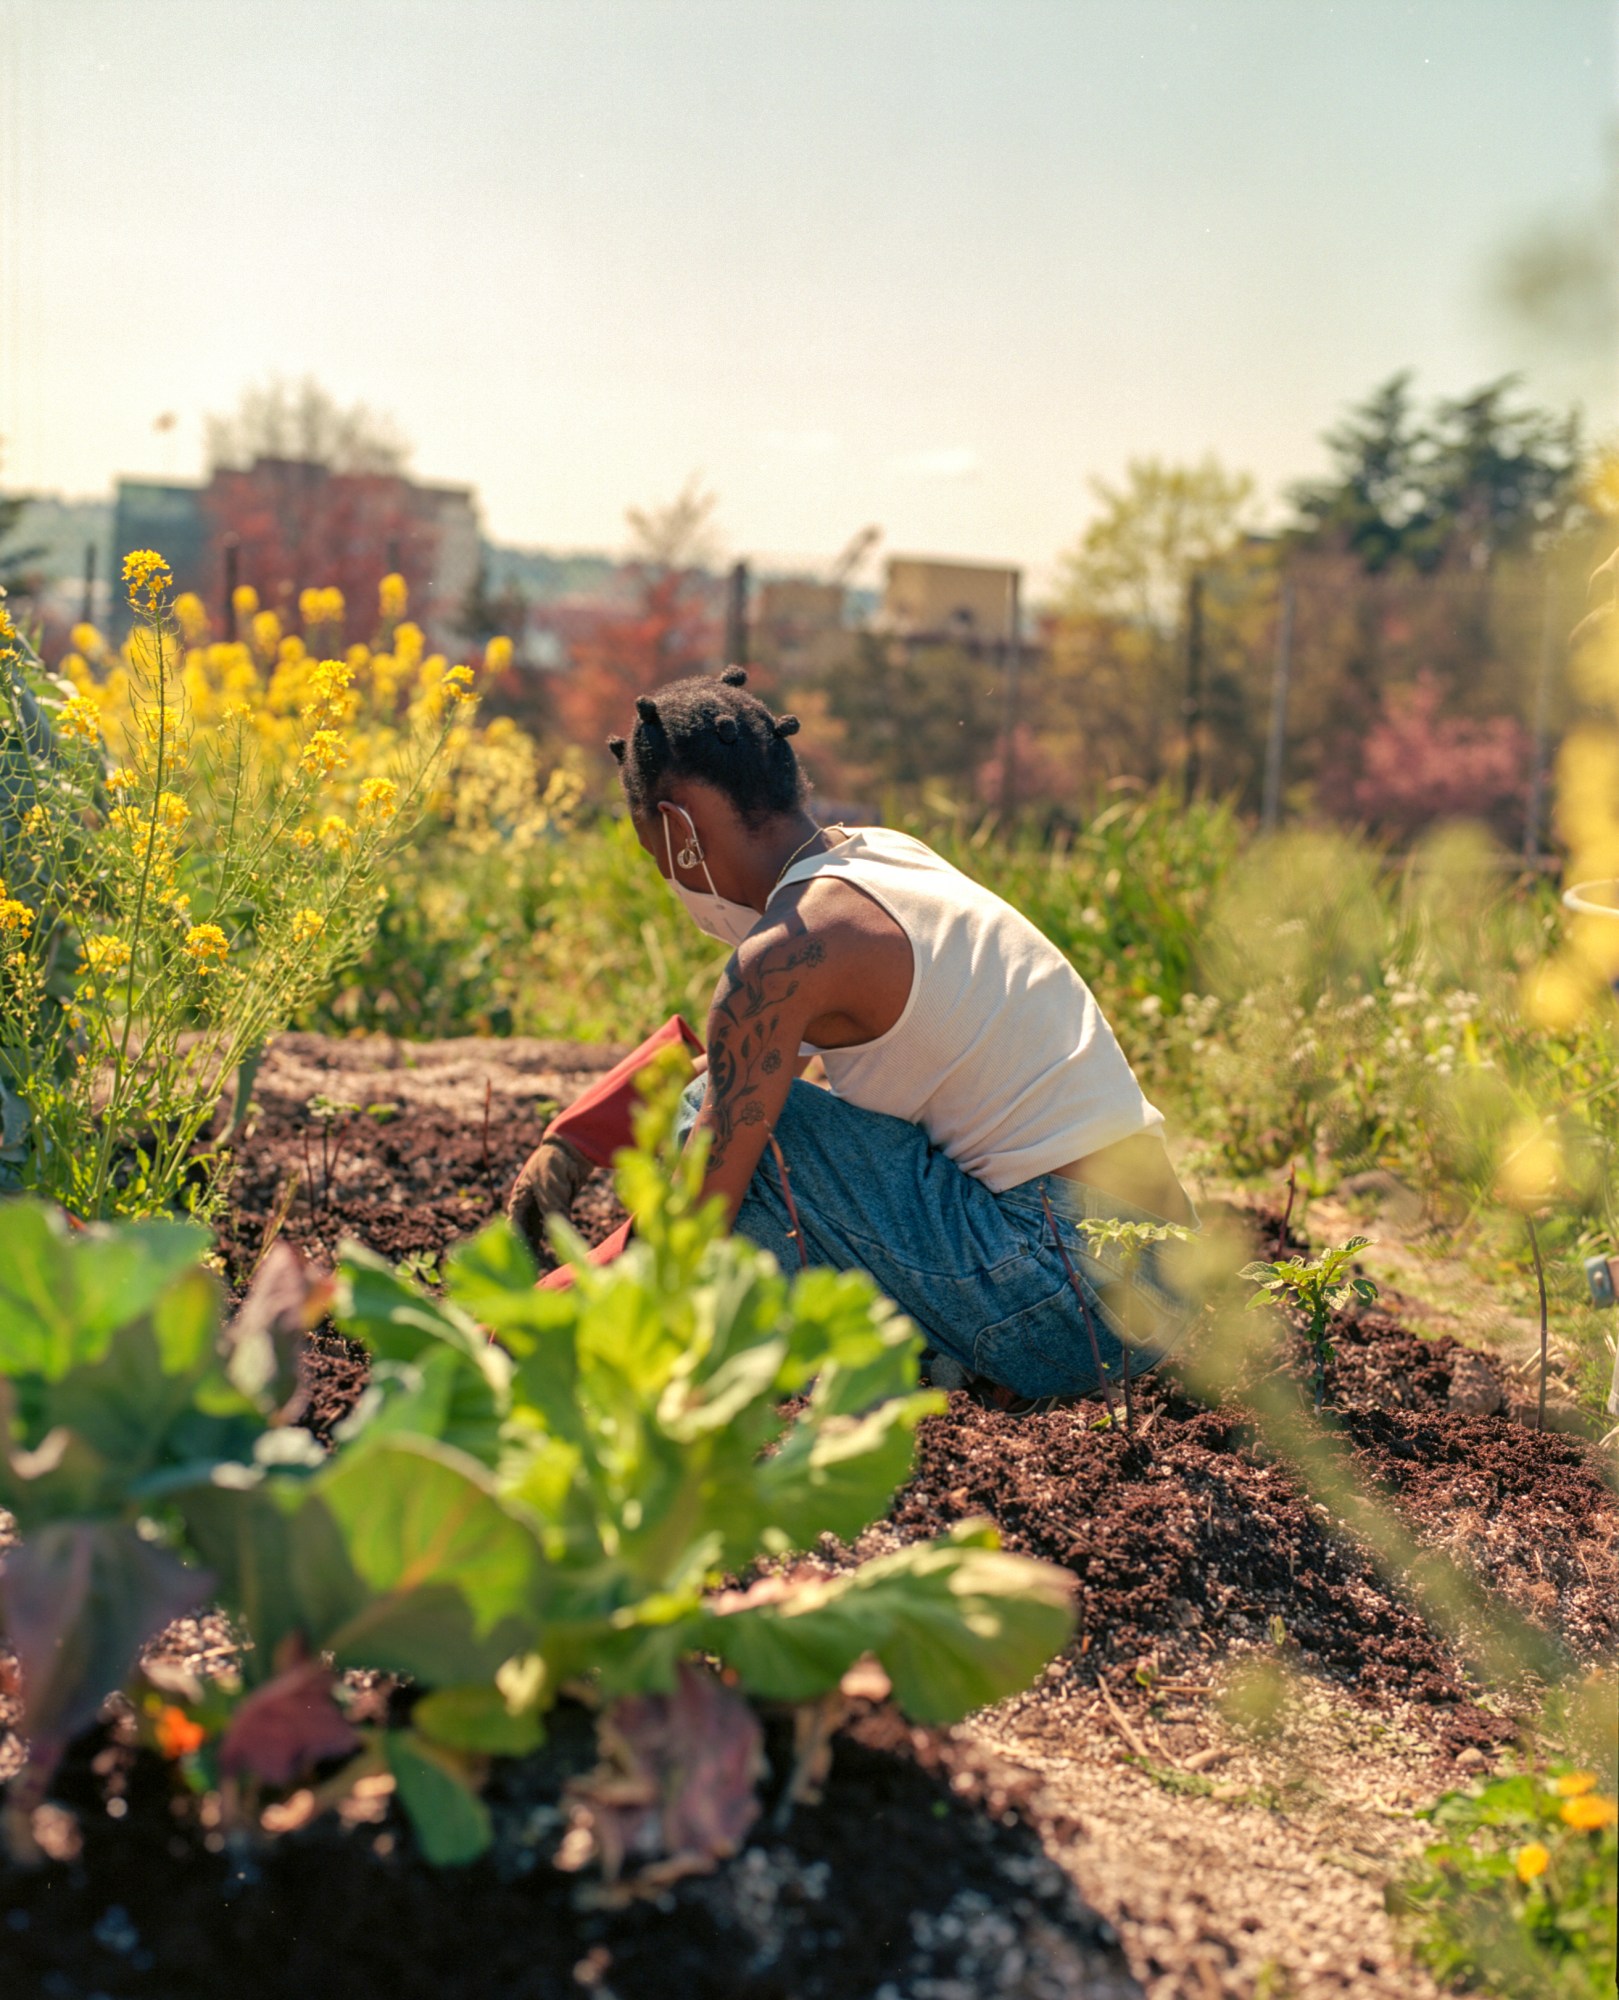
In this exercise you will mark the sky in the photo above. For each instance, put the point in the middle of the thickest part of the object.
(929, 264)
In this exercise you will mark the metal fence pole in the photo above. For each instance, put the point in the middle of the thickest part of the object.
(1534, 810)
(1276, 742)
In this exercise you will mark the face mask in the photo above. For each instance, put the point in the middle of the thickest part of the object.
(713, 914)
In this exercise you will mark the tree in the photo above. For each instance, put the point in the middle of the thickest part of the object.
(1478, 477)
(913, 714)
(678, 536)
(304, 421)
(1118, 638)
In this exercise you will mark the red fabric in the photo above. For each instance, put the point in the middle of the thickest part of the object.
(605, 1251)
(599, 1125)
(599, 1122)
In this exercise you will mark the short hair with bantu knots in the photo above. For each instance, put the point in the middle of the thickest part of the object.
(709, 728)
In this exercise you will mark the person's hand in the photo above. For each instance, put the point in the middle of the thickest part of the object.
(548, 1184)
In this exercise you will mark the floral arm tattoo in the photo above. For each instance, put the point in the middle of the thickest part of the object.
(751, 1019)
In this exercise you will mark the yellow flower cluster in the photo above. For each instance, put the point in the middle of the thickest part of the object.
(206, 946)
(192, 614)
(147, 577)
(393, 599)
(328, 695)
(244, 600)
(307, 925)
(87, 640)
(1590, 1813)
(79, 718)
(320, 607)
(324, 753)
(497, 655)
(336, 833)
(379, 800)
(104, 955)
(1533, 1861)
(16, 919)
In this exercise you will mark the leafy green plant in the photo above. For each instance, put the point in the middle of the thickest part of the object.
(1521, 1895)
(117, 1387)
(1315, 1287)
(638, 1424)
(498, 1519)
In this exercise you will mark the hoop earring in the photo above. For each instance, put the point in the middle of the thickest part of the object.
(690, 854)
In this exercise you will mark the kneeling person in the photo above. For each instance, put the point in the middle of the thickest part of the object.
(980, 1109)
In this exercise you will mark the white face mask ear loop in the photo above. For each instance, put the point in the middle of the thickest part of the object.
(694, 847)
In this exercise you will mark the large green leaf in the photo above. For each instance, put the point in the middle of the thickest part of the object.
(448, 1818)
(406, 1561)
(125, 1404)
(836, 1477)
(443, 1395)
(63, 1294)
(956, 1623)
(241, 1524)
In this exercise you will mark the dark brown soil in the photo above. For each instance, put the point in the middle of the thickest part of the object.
(918, 1865)
(1189, 1543)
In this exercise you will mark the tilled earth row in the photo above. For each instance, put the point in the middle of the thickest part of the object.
(1242, 1662)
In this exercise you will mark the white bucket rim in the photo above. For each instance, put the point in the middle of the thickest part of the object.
(1579, 896)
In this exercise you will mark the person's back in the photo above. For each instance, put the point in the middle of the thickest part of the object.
(1001, 1053)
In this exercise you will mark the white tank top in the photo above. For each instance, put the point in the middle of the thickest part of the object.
(1001, 1055)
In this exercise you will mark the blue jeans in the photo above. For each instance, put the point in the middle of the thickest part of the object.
(978, 1272)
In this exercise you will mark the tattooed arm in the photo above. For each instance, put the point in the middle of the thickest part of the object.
(774, 986)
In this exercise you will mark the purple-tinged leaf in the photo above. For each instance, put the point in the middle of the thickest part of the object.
(288, 1726)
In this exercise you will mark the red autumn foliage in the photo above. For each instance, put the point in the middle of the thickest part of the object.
(288, 1726)
(674, 630)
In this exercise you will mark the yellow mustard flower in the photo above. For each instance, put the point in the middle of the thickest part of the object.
(105, 954)
(264, 631)
(458, 682)
(193, 616)
(85, 639)
(16, 919)
(409, 645)
(172, 811)
(497, 655)
(147, 576)
(379, 799)
(123, 779)
(326, 691)
(206, 946)
(178, 906)
(307, 925)
(79, 719)
(393, 598)
(335, 831)
(304, 839)
(7, 629)
(324, 753)
(35, 823)
(1590, 1812)
(1573, 1783)
(1532, 1861)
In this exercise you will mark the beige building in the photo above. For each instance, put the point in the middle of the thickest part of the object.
(974, 603)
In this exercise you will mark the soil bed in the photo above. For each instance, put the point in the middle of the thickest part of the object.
(1193, 1551)
(917, 1866)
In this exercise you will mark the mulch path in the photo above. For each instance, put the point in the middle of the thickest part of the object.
(1191, 1546)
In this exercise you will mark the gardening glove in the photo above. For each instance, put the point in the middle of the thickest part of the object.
(548, 1184)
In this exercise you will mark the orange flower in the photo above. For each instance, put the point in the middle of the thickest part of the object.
(1590, 1812)
(1573, 1783)
(1533, 1860)
(177, 1735)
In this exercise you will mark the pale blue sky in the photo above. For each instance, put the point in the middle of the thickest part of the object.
(927, 263)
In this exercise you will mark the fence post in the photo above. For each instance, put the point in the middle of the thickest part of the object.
(1276, 742)
(1009, 691)
(1193, 704)
(1534, 810)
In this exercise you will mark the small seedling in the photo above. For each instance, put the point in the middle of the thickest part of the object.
(1130, 1241)
(1316, 1287)
(325, 1112)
